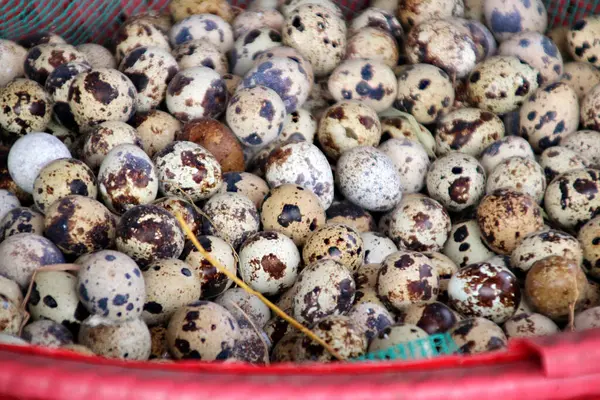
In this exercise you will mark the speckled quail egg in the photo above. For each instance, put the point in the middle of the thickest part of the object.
(484, 290)
(299, 125)
(505, 19)
(293, 211)
(97, 55)
(478, 335)
(432, 318)
(231, 216)
(572, 198)
(324, 288)
(138, 34)
(405, 126)
(519, 174)
(47, 333)
(502, 149)
(191, 335)
(8, 201)
(371, 82)
(213, 282)
(248, 46)
(156, 129)
(12, 57)
(344, 212)
(529, 325)
(189, 212)
(467, 130)
(181, 9)
(318, 34)
(502, 83)
(588, 319)
(371, 318)
(68, 137)
(23, 253)
(554, 285)
(101, 95)
(248, 20)
(592, 297)
(376, 247)
(303, 164)
(557, 160)
(587, 144)
(580, 40)
(253, 346)
(128, 340)
(185, 168)
(104, 137)
(250, 185)
(360, 184)
(366, 275)
(445, 268)
(590, 244)
(208, 27)
(456, 180)
(285, 349)
(483, 38)
(419, 223)
(336, 242)
(57, 86)
(549, 116)
(21, 220)
(147, 233)
(558, 34)
(196, 92)
(581, 76)
(10, 316)
(444, 44)
(411, 161)
(425, 91)
(150, 69)
(200, 53)
(401, 334)
(407, 278)
(42, 59)
(370, 43)
(376, 17)
(292, 54)
(465, 245)
(40, 37)
(127, 177)
(236, 299)
(288, 6)
(111, 285)
(170, 285)
(26, 107)
(415, 12)
(340, 332)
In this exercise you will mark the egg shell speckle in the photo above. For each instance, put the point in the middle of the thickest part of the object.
(208, 27)
(42, 59)
(156, 129)
(509, 146)
(465, 245)
(128, 340)
(231, 216)
(370, 43)
(335, 242)
(57, 86)
(21, 220)
(507, 18)
(519, 174)
(97, 56)
(200, 53)
(530, 325)
(558, 160)
(344, 212)
(370, 318)
(10, 316)
(26, 107)
(582, 46)
(237, 298)
(590, 244)
(47, 333)
(581, 76)
(478, 335)
(586, 143)
(248, 46)
(395, 335)
(136, 34)
(104, 137)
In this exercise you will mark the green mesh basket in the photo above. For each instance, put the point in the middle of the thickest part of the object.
(435, 345)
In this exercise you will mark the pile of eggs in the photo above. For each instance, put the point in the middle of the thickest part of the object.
(423, 168)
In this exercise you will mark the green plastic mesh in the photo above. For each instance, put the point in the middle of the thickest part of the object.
(436, 345)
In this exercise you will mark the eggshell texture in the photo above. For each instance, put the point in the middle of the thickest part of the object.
(373, 83)
(502, 149)
(128, 340)
(245, 183)
(371, 43)
(445, 268)
(505, 217)
(10, 316)
(287, 7)
(177, 205)
(8, 187)
(57, 86)
(407, 278)
(181, 9)
(299, 125)
(581, 76)
(588, 319)
(200, 53)
(342, 333)
(432, 318)
(42, 59)
(414, 12)
(336, 242)
(401, 334)
(424, 91)
(47, 333)
(21, 220)
(138, 34)
(318, 34)
(376, 17)
(419, 223)
(324, 288)
(97, 56)
(580, 40)
(26, 107)
(411, 161)
(530, 325)
(248, 20)
(156, 129)
(467, 130)
(111, 285)
(442, 43)
(231, 216)
(303, 164)
(343, 212)
(104, 137)
(371, 318)
(572, 199)
(558, 160)
(485, 44)
(465, 245)
(587, 237)
(510, 17)
(249, 45)
(209, 27)
(585, 143)
(8, 202)
(376, 247)
(196, 92)
(358, 182)
(478, 335)
(236, 299)
(292, 54)
(12, 57)
(405, 127)
(40, 37)
(170, 285)
(539, 245)
(519, 174)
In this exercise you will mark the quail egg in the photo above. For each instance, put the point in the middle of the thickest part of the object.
(181, 9)
(57, 86)
(299, 125)
(414, 12)
(519, 174)
(156, 129)
(588, 319)
(8, 202)
(42, 59)
(11, 317)
(507, 18)
(432, 318)
(502, 149)
(400, 335)
(411, 161)
(586, 144)
(47, 333)
(245, 183)
(97, 55)
(343, 212)
(529, 325)
(478, 335)
(465, 245)
(379, 18)
(189, 212)
(557, 160)
(588, 238)
(371, 318)
(445, 267)
(207, 27)
(376, 247)
(104, 137)
(581, 76)
(292, 54)
(127, 340)
(484, 41)
(26, 107)
(580, 40)
(231, 216)
(248, 20)
(342, 333)
(200, 53)
(336, 242)
(370, 43)
(136, 34)
(248, 46)
(12, 57)
(21, 220)
(236, 299)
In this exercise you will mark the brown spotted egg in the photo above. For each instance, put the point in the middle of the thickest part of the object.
(11, 317)
(248, 46)
(370, 43)
(376, 247)
(370, 82)
(248, 20)
(189, 212)
(519, 174)
(502, 149)
(419, 223)
(285, 349)
(288, 6)
(467, 130)
(406, 127)
(465, 245)
(26, 107)
(572, 199)
(411, 161)
(111, 285)
(97, 55)
(580, 40)
(185, 168)
(8, 201)
(581, 76)
(11, 290)
(443, 43)
(231, 216)
(47, 333)
(432, 318)
(250, 185)
(138, 34)
(445, 267)
(557, 160)
(170, 285)
(12, 57)
(318, 34)
(586, 143)
(425, 91)
(61, 178)
(127, 340)
(127, 177)
(335, 242)
(236, 299)
(414, 12)
(200, 53)
(147, 233)
(207, 27)
(485, 43)
(456, 180)
(407, 278)
(156, 129)
(293, 211)
(588, 237)
(256, 115)
(292, 54)
(400, 335)
(40, 37)
(57, 86)
(195, 93)
(299, 125)
(368, 178)
(371, 318)
(505, 217)
(539, 245)
(269, 262)
(588, 319)
(21, 220)
(104, 137)
(42, 59)
(501, 84)
(376, 17)
(343, 212)
(507, 18)
(478, 335)
(529, 325)
(366, 275)
(324, 288)
(150, 69)
(342, 333)
(101, 95)
(69, 138)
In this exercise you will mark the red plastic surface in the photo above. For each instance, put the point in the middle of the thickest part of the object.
(566, 366)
